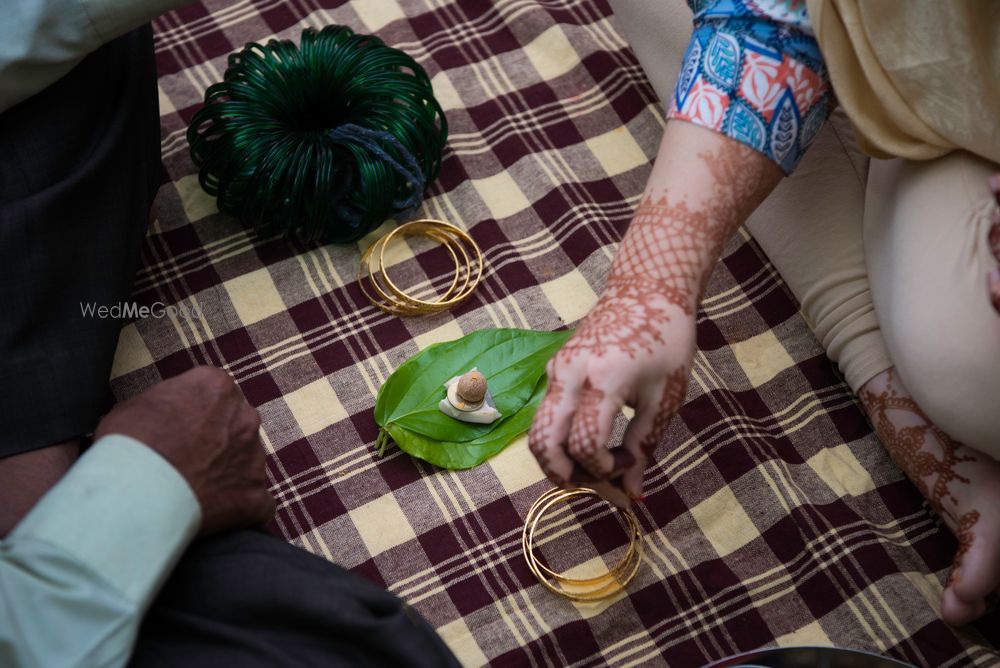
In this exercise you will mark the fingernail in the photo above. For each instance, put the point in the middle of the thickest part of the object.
(995, 186)
(635, 494)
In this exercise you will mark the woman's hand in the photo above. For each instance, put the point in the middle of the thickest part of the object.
(633, 349)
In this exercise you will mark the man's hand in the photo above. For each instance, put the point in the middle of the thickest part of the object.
(201, 424)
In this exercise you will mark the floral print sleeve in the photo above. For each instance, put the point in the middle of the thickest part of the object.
(753, 71)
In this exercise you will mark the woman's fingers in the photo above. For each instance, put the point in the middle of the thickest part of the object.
(569, 435)
(549, 431)
(622, 460)
(590, 430)
(570, 431)
(638, 435)
(649, 426)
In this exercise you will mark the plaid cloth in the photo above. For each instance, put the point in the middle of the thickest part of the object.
(773, 516)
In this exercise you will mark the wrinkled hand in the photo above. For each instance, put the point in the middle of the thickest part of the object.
(634, 348)
(201, 424)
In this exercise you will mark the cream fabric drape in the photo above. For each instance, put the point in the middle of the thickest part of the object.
(918, 78)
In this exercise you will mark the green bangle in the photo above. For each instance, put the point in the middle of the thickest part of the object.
(325, 140)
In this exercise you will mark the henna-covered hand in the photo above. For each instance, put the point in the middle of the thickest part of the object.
(619, 356)
(636, 346)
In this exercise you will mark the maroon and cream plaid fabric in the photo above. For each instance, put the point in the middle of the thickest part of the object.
(773, 516)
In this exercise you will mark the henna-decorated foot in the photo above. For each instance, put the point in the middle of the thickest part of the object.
(975, 578)
(961, 484)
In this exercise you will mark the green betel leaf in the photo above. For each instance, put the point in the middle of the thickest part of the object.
(451, 455)
(512, 360)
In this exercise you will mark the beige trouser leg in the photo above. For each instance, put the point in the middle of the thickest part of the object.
(926, 228)
(811, 226)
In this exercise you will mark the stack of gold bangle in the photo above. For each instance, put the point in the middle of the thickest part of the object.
(392, 299)
(589, 589)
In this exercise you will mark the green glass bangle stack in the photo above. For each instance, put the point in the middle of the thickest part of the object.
(325, 140)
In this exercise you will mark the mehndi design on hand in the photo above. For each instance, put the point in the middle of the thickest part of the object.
(633, 326)
(635, 347)
(544, 420)
(672, 397)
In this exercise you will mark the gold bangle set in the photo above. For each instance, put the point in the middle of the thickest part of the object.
(586, 589)
(392, 299)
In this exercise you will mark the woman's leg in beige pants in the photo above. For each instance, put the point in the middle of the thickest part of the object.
(926, 230)
(830, 237)
(811, 228)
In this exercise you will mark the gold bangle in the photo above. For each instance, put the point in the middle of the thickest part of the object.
(460, 269)
(385, 300)
(585, 589)
(593, 588)
(394, 304)
(545, 502)
(426, 227)
(614, 573)
(392, 299)
(421, 226)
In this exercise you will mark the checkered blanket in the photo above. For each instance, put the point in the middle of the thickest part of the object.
(773, 516)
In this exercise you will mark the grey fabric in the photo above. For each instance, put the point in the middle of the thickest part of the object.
(80, 167)
(251, 600)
